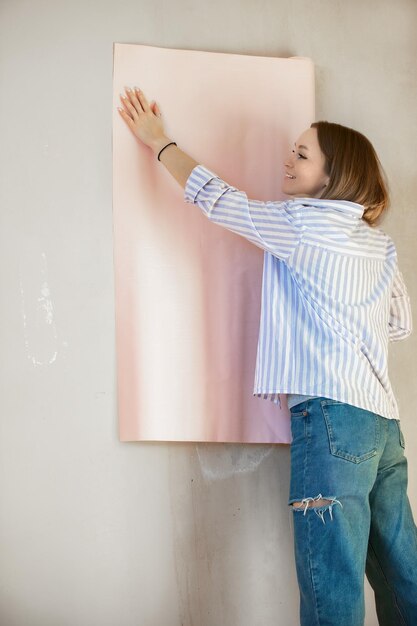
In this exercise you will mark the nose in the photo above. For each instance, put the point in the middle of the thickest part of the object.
(288, 162)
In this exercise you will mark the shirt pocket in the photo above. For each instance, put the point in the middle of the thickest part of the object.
(353, 432)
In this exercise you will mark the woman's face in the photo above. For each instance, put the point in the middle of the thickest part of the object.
(306, 163)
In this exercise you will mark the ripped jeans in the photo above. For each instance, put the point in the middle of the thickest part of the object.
(354, 459)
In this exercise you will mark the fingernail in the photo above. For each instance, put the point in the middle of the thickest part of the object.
(128, 89)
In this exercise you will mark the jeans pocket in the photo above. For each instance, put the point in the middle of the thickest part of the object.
(353, 432)
(298, 426)
(400, 432)
(298, 413)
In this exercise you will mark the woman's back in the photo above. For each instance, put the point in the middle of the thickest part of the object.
(332, 294)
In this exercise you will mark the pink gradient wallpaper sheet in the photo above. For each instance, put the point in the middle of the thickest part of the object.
(187, 291)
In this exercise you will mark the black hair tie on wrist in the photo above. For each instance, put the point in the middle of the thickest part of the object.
(168, 144)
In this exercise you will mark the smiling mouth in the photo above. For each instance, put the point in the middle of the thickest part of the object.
(289, 177)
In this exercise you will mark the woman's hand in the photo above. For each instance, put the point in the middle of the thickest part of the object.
(144, 120)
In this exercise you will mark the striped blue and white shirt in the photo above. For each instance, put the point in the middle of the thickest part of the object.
(332, 294)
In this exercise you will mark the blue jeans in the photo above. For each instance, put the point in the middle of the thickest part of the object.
(355, 459)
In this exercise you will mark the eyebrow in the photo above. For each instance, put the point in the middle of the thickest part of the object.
(301, 146)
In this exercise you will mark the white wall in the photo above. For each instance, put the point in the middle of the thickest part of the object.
(94, 532)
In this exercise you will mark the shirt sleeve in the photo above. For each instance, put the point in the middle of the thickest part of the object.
(269, 225)
(401, 320)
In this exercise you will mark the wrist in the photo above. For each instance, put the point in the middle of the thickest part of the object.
(159, 143)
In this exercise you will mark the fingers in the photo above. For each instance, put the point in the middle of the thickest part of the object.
(134, 100)
(129, 106)
(138, 100)
(127, 118)
(142, 99)
(136, 104)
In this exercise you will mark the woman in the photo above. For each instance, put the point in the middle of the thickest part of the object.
(332, 299)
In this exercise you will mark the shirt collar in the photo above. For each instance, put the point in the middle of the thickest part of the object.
(346, 207)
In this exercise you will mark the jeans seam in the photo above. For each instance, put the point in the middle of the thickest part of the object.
(316, 608)
(400, 434)
(306, 454)
(387, 582)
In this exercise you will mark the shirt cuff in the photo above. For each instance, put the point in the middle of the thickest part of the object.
(198, 177)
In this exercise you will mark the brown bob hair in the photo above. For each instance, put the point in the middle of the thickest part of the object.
(355, 171)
